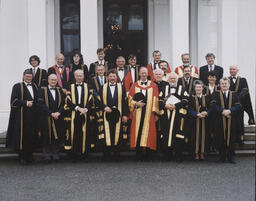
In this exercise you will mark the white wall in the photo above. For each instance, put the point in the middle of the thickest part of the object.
(27, 28)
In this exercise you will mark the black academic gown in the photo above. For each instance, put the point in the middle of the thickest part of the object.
(52, 130)
(79, 138)
(199, 127)
(172, 122)
(83, 67)
(40, 78)
(22, 132)
(188, 87)
(225, 129)
(93, 66)
(114, 135)
(241, 88)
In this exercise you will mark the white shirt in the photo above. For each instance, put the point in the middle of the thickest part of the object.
(211, 89)
(79, 92)
(209, 68)
(101, 62)
(133, 74)
(120, 74)
(234, 78)
(187, 80)
(173, 90)
(60, 68)
(30, 89)
(112, 89)
(101, 79)
(53, 92)
(225, 93)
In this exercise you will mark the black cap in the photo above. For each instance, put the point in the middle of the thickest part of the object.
(113, 117)
(139, 97)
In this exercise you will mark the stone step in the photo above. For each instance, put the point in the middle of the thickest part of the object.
(249, 129)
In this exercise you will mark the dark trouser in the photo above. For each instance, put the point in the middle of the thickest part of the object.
(226, 153)
(51, 150)
(26, 154)
(179, 147)
(143, 153)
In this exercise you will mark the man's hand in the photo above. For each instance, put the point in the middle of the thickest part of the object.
(204, 113)
(156, 118)
(107, 109)
(55, 115)
(124, 119)
(140, 104)
(199, 115)
(30, 103)
(226, 113)
(64, 90)
(170, 106)
(82, 110)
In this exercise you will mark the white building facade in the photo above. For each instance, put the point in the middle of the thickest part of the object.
(226, 28)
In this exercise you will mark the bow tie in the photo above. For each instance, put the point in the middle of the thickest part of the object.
(78, 85)
(120, 69)
(29, 84)
(234, 78)
(112, 85)
(173, 87)
(133, 67)
(53, 88)
(144, 83)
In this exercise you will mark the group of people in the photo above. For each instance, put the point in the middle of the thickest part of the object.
(107, 107)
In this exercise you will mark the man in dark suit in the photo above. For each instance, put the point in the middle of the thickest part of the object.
(204, 70)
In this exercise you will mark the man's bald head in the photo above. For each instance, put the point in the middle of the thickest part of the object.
(52, 80)
(233, 70)
(60, 59)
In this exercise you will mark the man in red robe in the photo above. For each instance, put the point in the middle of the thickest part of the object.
(143, 135)
(186, 62)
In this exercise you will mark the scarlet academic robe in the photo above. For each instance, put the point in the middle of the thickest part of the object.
(128, 80)
(114, 134)
(151, 67)
(40, 78)
(226, 129)
(143, 128)
(199, 128)
(188, 87)
(64, 77)
(77, 136)
(52, 130)
(122, 81)
(172, 122)
(22, 132)
(194, 71)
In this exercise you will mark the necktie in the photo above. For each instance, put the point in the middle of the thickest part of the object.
(29, 84)
(101, 81)
(120, 69)
(187, 81)
(78, 85)
(112, 85)
(210, 67)
(144, 83)
(34, 72)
